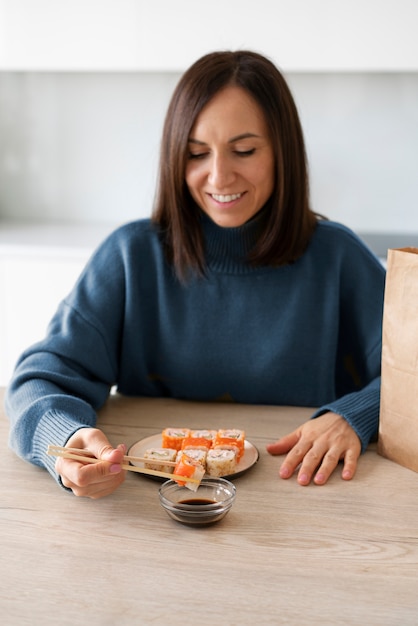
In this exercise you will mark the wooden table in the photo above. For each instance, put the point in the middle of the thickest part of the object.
(343, 553)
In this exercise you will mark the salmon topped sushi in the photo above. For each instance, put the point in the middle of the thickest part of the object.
(190, 468)
(196, 442)
(207, 434)
(231, 438)
(173, 437)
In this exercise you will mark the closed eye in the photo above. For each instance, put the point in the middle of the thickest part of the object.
(197, 155)
(239, 153)
(245, 153)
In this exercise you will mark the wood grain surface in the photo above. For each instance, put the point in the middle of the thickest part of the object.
(342, 553)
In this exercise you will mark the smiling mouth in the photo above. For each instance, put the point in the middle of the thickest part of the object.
(228, 198)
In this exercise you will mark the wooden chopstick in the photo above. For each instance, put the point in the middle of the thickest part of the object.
(86, 457)
(128, 458)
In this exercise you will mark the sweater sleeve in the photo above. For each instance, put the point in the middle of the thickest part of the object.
(57, 387)
(361, 289)
(60, 382)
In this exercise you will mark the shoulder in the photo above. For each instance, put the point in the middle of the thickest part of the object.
(329, 231)
(129, 248)
(337, 241)
(132, 237)
(135, 231)
(127, 253)
(337, 252)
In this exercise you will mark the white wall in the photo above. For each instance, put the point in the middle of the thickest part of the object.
(84, 85)
(80, 146)
(83, 146)
(168, 35)
(362, 138)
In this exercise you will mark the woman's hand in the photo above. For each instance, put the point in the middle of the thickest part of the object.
(318, 446)
(88, 479)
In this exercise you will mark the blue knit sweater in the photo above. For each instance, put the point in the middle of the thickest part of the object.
(306, 334)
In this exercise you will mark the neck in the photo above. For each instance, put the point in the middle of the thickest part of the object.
(227, 249)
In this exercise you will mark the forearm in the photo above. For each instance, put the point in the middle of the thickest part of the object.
(46, 402)
(51, 418)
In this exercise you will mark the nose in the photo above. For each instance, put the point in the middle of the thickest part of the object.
(221, 172)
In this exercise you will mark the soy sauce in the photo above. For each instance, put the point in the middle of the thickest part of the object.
(198, 501)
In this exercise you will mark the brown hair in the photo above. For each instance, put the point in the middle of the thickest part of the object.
(290, 222)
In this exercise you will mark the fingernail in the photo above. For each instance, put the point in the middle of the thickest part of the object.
(122, 448)
(303, 479)
(284, 472)
(319, 478)
(346, 474)
(115, 468)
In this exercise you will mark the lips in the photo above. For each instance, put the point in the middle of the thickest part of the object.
(226, 198)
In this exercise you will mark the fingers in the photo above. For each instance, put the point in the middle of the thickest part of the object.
(92, 480)
(97, 443)
(318, 466)
(283, 445)
(91, 484)
(350, 465)
(315, 450)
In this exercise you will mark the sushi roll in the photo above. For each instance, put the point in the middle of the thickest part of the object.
(231, 438)
(209, 435)
(194, 453)
(221, 462)
(173, 437)
(200, 443)
(188, 467)
(156, 457)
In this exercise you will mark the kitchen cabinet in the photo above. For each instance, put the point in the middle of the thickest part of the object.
(162, 35)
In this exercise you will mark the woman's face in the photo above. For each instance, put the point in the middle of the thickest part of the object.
(230, 169)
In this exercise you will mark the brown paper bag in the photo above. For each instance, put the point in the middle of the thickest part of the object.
(398, 427)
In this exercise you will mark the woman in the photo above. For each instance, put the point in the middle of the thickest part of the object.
(235, 288)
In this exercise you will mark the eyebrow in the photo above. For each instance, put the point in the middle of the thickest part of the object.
(232, 140)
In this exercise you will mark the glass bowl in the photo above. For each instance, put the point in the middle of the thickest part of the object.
(209, 504)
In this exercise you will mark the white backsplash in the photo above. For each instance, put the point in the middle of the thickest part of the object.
(83, 147)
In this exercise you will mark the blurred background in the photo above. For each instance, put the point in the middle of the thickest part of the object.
(84, 87)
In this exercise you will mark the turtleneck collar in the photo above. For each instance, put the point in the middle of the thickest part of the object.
(227, 248)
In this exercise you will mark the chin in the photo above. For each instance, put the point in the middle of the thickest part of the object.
(229, 223)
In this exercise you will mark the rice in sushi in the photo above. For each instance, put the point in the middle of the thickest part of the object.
(221, 462)
(194, 453)
(159, 455)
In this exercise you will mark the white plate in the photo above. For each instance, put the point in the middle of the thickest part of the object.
(249, 458)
